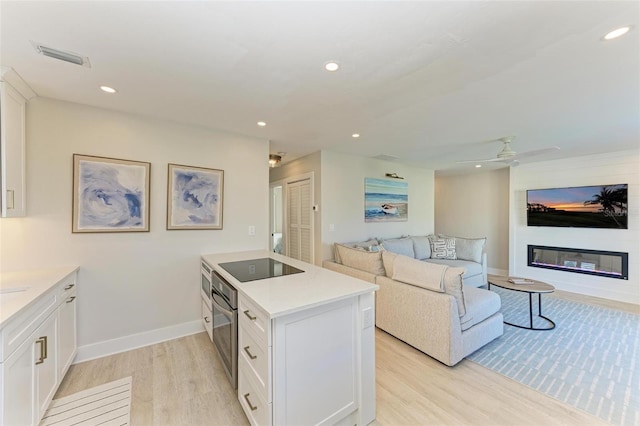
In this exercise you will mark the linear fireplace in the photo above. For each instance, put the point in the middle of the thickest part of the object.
(610, 264)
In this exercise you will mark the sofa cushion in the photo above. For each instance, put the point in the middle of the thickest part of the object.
(443, 248)
(470, 248)
(480, 305)
(418, 273)
(366, 245)
(471, 268)
(421, 247)
(442, 279)
(388, 259)
(403, 246)
(362, 259)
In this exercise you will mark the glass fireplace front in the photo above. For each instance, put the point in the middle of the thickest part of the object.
(611, 264)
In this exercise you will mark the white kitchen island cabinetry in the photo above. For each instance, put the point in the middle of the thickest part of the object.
(37, 340)
(306, 348)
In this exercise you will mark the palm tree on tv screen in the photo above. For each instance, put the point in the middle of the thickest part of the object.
(610, 199)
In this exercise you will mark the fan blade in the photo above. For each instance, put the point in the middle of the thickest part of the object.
(532, 153)
(490, 160)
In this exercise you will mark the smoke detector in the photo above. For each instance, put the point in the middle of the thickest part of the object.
(61, 55)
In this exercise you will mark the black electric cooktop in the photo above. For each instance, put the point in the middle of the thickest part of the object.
(258, 269)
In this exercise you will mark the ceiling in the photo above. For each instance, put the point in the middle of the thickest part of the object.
(429, 83)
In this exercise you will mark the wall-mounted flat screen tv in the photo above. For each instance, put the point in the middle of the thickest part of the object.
(600, 206)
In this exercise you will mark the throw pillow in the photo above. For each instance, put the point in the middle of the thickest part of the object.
(421, 247)
(361, 259)
(454, 287)
(443, 248)
(429, 276)
(470, 248)
(402, 246)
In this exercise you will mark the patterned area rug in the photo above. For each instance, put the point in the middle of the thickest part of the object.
(591, 360)
(105, 405)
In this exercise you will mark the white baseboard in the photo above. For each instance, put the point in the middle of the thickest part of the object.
(138, 340)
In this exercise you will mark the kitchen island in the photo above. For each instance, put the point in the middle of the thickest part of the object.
(306, 344)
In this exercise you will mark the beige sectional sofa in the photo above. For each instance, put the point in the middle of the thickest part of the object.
(425, 304)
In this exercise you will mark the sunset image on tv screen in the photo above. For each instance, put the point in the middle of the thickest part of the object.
(602, 206)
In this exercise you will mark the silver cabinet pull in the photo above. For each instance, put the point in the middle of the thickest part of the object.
(251, 317)
(251, 406)
(246, 349)
(71, 299)
(69, 287)
(207, 320)
(43, 349)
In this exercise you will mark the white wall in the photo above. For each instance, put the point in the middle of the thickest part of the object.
(342, 202)
(476, 205)
(603, 169)
(131, 282)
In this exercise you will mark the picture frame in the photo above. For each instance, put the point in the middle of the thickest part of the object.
(110, 195)
(385, 200)
(195, 197)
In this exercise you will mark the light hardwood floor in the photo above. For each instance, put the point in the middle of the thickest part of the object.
(181, 382)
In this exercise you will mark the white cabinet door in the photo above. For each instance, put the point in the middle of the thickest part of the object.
(207, 319)
(46, 371)
(67, 344)
(13, 199)
(316, 365)
(19, 387)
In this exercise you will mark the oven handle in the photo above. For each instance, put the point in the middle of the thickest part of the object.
(223, 308)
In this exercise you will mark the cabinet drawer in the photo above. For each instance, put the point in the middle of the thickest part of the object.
(255, 320)
(258, 359)
(207, 319)
(66, 287)
(256, 408)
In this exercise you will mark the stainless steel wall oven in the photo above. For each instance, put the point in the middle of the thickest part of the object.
(224, 301)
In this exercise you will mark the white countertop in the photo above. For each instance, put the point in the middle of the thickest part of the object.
(291, 293)
(35, 282)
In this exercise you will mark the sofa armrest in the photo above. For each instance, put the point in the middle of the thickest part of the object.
(353, 272)
(426, 320)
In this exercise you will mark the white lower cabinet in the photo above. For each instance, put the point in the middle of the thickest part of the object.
(46, 363)
(207, 319)
(304, 368)
(18, 385)
(45, 336)
(67, 340)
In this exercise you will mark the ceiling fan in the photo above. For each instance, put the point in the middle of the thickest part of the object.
(509, 156)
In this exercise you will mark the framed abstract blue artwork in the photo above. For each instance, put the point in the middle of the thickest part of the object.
(110, 195)
(194, 198)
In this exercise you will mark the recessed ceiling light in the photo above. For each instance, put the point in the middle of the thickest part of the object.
(108, 89)
(331, 66)
(616, 33)
(355, 135)
(261, 123)
(478, 166)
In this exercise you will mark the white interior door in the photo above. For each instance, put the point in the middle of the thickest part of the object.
(299, 235)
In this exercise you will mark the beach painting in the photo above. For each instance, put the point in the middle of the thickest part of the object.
(385, 200)
(194, 199)
(110, 195)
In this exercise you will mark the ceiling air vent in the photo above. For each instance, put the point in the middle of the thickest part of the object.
(386, 157)
(71, 57)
